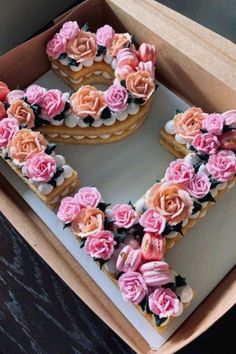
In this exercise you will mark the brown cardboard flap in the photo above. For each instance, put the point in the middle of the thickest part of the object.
(192, 60)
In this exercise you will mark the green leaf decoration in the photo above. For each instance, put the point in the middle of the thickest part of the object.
(67, 224)
(138, 232)
(118, 275)
(101, 50)
(197, 166)
(169, 228)
(82, 242)
(177, 111)
(144, 305)
(57, 174)
(138, 100)
(23, 126)
(227, 128)
(196, 207)
(203, 157)
(214, 183)
(103, 206)
(108, 223)
(133, 40)
(5, 156)
(180, 281)
(62, 56)
(36, 108)
(207, 198)
(85, 27)
(88, 120)
(159, 320)
(39, 122)
(73, 62)
(100, 261)
(123, 83)
(131, 204)
(50, 148)
(203, 130)
(120, 235)
(171, 286)
(106, 113)
(6, 105)
(192, 148)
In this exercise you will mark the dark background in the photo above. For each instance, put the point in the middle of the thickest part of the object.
(38, 312)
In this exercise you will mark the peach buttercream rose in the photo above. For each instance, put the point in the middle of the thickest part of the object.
(21, 111)
(24, 144)
(88, 101)
(83, 47)
(88, 222)
(140, 84)
(171, 200)
(188, 123)
(119, 41)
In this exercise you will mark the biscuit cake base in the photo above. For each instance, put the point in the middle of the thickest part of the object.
(170, 144)
(52, 199)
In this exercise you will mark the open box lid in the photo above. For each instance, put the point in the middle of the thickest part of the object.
(175, 37)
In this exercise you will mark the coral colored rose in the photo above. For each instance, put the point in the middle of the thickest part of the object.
(222, 165)
(68, 210)
(163, 302)
(140, 84)
(83, 47)
(127, 56)
(171, 200)
(206, 143)
(228, 140)
(88, 222)
(148, 67)
(133, 287)
(20, 110)
(15, 95)
(53, 103)
(213, 123)
(69, 30)
(147, 52)
(4, 90)
(188, 123)
(88, 101)
(230, 117)
(35, 94)
(152, 221)
(124, 215)
(119, 41)
(40, 167)
(123, 72)
(179, 171)
(116, 98)
(8, 127)
(100, 245)
(56, 46)
(104, 35)
(24, 144)
(88, 197)
(199, 185)
(3, 112)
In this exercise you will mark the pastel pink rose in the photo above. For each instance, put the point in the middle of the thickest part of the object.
(69, 30)
(53, 103)
(163, 302)
(127, 56)
(222, 165)
(116, 98)
(147, 52)
(88, 197)
(147, 66)
(100, 245)
(123, 72)
(68, 210)
(8, 127)
(15, 95)
(104, 35)
(206, 143)
(35, 94)
(40, 167)
(214, 123)
(152, 221)
(179, 171)
(230, 117)
(199, 185)
(124, 215)
(56, 46)
(133, 287)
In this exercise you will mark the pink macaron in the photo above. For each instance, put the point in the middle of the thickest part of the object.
(147, 52)
(153, 247)
(129, 259)
(127, 56)
(156, 273)
(147, 66)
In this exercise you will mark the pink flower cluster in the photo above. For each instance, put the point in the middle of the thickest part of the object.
(58, 44)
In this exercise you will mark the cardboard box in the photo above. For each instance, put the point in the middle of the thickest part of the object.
(196, 64)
